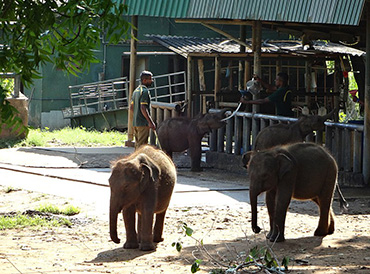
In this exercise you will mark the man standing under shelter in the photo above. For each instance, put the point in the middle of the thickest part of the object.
(281, 96)
(140, 106)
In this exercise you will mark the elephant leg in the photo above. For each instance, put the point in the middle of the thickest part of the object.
(195, 150)
(130, 222)
(283, 197)
(146, 231)
(325, 214)
(158, 227)
(331, 223)
(270, 203)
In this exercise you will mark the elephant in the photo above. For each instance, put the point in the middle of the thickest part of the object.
(180, 133)
(303, 171)
(143, 183)
(281, 134)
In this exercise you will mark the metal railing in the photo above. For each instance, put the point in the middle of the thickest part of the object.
(344, 141)
(110, 95)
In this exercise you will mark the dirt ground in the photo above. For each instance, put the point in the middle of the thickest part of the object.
(225, 231)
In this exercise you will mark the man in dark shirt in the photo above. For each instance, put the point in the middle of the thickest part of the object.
(281, 96)
(140, 106)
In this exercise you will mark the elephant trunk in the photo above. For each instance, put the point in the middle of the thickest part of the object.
(329, 115)
(253, 199)
(113, 215)
(222, 112)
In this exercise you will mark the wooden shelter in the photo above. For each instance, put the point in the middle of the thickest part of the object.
(336, 20)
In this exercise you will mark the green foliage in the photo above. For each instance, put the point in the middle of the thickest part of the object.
(68, 137)
(7, 84)
(65, 33)
(69, 210)
(195, 266)
(21, 221)
(258, 259)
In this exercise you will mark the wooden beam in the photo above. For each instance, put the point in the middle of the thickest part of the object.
(366, 152)
(133, 58)
(227, 35)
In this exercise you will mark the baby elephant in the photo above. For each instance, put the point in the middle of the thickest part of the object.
(143, 183)
(303, 171)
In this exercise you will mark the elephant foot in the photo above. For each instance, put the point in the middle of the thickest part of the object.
(268, 236)
(321, 232)
(276, 238)
(196, 169)
(131, 245)
(147, 246)
(157, 239)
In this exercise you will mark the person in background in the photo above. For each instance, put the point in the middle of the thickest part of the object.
(281, 96)
(140, 110)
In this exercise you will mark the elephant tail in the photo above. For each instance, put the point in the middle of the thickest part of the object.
(342, 201)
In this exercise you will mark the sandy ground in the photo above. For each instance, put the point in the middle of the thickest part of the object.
(225, 231)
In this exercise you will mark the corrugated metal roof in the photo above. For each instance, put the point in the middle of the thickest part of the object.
(185, 45)
(158, 8)
(342, 12)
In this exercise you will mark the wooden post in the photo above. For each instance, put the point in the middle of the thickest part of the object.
(202, 82)
(257, 69)
(336, 87)
(241, 79)
(279, 67)
(133, 55)
(308, 82)
(217, 80)
(366, 159)
(189, 85)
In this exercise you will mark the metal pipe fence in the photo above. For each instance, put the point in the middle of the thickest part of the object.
(111, 95)
(344, 141)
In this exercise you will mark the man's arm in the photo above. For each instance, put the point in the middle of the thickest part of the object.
(256, 102)
(145, 112)
(267, 86)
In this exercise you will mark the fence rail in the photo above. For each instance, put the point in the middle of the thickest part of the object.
(110, 95)
(344, 141)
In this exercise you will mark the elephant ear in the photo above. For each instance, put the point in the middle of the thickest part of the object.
(246, 158)
(285, 164)
(150, 174)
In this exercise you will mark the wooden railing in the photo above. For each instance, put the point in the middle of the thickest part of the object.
(344, 141)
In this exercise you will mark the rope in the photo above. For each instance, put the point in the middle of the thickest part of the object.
(159, 143)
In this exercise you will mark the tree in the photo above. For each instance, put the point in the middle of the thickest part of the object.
(63, 32)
